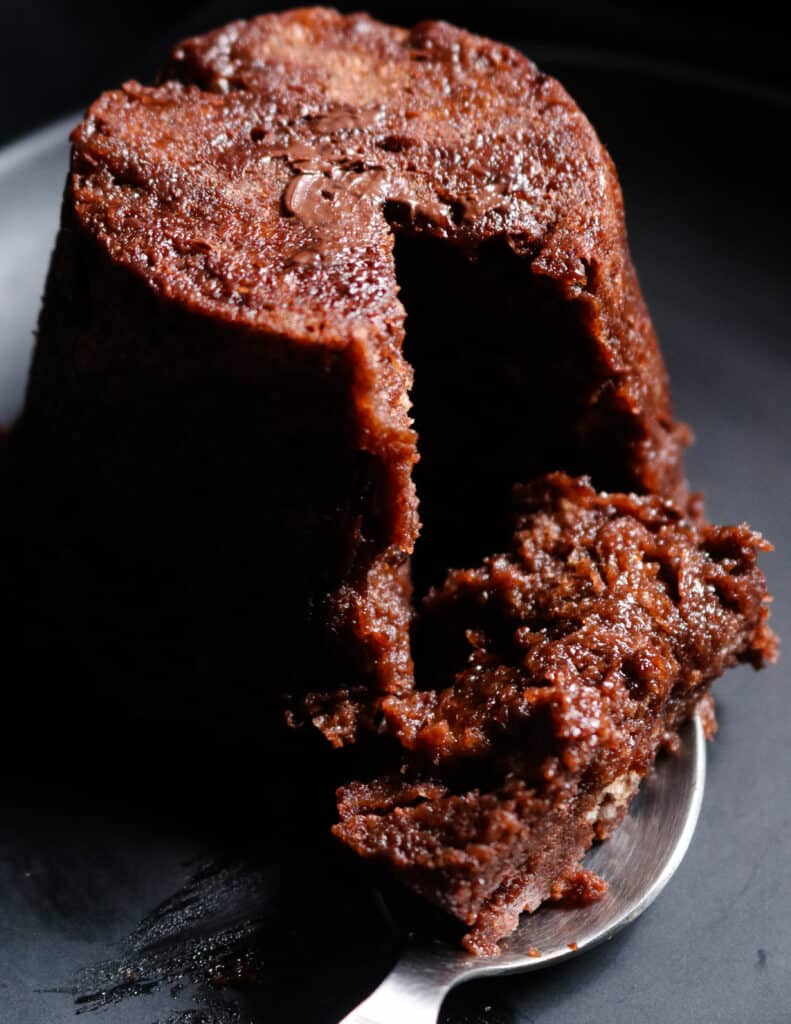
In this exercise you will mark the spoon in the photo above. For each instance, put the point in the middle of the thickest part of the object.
(637, 862)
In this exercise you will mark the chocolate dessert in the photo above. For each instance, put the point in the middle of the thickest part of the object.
(319, 300)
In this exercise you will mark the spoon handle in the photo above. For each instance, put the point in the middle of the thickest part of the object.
(413, 991)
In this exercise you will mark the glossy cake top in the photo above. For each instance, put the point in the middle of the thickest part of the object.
(261, 179)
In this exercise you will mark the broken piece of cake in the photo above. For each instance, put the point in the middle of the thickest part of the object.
(319, 300)
(570, 661)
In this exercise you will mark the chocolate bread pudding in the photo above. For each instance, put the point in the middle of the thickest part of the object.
(320, 299)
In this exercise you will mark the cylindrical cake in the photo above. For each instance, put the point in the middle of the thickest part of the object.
(320, 299)
(220, 400)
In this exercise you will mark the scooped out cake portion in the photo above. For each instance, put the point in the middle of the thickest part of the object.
(571, 660)
(318, 300)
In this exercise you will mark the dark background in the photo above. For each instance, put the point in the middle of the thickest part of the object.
(57, 56)
(91, 839)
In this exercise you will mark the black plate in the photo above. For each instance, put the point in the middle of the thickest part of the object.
(88, 850)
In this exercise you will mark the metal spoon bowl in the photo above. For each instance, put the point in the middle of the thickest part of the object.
(637, 862)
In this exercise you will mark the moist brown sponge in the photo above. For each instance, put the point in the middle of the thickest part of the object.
(329, 287)
(574, 658)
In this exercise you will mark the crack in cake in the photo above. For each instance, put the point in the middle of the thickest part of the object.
(312, 222)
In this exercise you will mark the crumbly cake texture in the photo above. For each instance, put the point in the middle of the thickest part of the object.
(219, 460)
(574, 657)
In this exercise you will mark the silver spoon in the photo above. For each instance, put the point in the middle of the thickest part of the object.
(637, 862)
